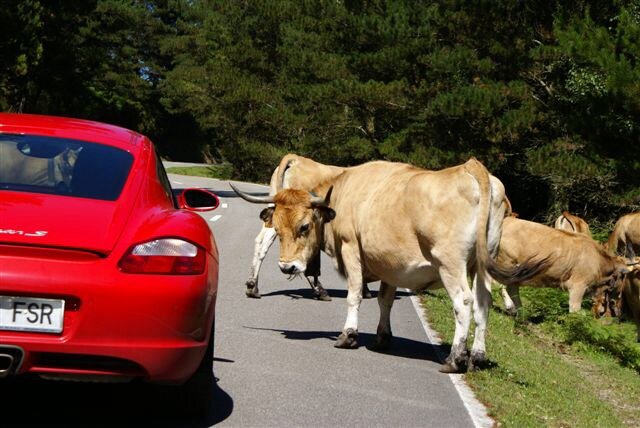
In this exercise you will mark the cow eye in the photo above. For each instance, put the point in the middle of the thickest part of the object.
(304, 228)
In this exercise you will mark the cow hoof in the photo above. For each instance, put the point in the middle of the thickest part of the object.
(477, 360)
(252, 293)
(457, 360)
(511, 311)
(382, 342)
(366, 293)
(347, 339)
(321, 294)
(449, 368)
(324, 296)
(252, 290)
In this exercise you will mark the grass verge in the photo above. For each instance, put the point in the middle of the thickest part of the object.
(541, 378)
(222, 171)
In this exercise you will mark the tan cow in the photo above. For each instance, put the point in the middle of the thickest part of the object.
(630, 290)
(625, 238)
(298, 172)
(575, 262)
(407, 227)
(572, 223)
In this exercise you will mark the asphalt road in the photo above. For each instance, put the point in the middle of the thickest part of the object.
(275, 362)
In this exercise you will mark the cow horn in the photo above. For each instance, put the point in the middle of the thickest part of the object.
(253, 199)
(317, 201)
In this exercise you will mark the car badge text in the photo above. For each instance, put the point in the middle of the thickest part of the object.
(23, 232)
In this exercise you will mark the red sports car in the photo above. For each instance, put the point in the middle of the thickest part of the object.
(104, 273)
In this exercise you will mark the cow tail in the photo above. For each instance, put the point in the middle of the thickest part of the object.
(484, 262)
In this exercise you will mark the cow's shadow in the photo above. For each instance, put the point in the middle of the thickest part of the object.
(307, 293)
(400, 346)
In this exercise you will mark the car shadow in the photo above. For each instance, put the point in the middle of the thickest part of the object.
(102, 404)
(400, 346)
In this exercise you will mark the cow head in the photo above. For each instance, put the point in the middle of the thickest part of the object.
(298, 218)
(607, 300)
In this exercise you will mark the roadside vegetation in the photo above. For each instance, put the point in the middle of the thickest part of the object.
(222, 172)
(549, 367)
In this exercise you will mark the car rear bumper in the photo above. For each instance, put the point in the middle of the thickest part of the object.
(115, 325)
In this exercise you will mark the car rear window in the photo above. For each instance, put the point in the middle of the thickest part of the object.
(37, 164)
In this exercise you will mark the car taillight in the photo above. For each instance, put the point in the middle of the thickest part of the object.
(164, 256)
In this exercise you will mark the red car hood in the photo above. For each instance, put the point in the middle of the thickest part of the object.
(61, 221)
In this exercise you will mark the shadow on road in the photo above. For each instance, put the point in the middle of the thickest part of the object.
(306, 293)
(28, 400)
(400, 346)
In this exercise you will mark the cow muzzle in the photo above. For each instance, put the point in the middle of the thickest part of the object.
(292, 268)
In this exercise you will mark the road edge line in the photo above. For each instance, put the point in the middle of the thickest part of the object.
(477, 411)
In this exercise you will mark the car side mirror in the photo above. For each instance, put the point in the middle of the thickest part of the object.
(198, 200)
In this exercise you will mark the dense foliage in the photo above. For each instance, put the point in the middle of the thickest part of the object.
(545, 93)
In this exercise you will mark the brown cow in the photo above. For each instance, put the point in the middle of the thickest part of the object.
(625, 238)
(631, 298)
(575, 262)
(572, 223)
(407, 227)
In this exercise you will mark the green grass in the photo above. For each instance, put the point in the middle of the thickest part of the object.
(538, 376)
(222, 171)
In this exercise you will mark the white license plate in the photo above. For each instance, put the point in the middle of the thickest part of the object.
(31, 314)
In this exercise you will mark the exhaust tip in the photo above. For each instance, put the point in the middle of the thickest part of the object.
(10, 360)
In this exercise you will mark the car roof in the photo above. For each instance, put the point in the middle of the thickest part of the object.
(66, 127)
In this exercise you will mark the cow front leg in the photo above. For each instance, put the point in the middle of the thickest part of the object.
(386, 297)
(576, 293)
(351, 257)
(263, 242)
(455, 282)
(481, 305)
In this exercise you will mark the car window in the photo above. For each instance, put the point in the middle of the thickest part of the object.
(40, 164)
(164, 180)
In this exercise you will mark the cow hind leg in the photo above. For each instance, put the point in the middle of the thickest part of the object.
(318, 290)
(313, 270)
(458, 289)
(511, 297)
(386, 297)
(481, 305)
(263, 242)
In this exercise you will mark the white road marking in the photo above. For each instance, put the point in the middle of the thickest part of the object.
(215, 218)
(225, 205)
(477, 410)
(177, 182)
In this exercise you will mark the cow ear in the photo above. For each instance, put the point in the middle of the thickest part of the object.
(327, 214)
(267, 214)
